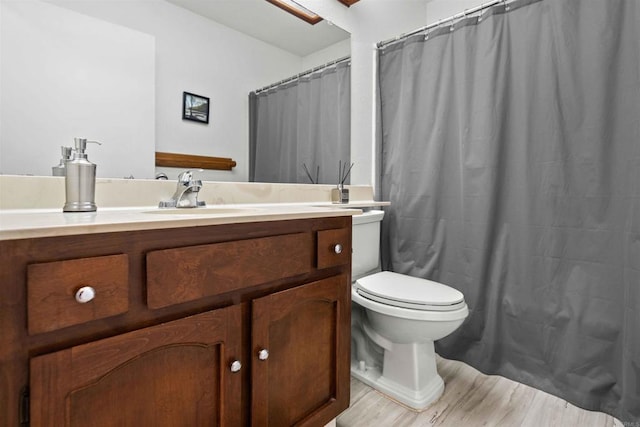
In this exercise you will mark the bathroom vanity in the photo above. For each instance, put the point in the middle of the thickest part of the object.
(232, 324)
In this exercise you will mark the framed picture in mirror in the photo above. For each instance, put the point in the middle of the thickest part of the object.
(195, 107)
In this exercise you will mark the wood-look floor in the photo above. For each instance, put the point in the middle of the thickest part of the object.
(471, 399)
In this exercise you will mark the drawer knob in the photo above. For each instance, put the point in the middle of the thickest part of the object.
(263, 354)
(85, 294)
(337, 248)
(236, 366)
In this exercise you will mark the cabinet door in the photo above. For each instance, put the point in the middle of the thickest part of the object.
(303, 376)
(173, 374)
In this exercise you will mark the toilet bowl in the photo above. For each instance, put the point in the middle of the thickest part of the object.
(395, 320)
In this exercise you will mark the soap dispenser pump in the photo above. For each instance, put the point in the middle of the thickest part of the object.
(80, 180)
(60, 169)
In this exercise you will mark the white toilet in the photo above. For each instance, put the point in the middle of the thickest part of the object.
(395, 320)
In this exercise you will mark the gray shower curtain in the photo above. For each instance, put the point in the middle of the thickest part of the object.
(511, 157)
(304, 122)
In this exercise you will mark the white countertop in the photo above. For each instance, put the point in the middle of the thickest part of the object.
(31, 207)
(33, 223)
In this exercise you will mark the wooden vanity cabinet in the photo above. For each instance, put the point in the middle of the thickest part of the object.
(231, 325)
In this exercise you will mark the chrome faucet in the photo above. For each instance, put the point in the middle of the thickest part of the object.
(186, 195)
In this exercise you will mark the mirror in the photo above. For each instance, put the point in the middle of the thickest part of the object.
(116, 71)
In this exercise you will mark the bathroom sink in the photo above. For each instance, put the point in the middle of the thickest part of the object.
(203, 211)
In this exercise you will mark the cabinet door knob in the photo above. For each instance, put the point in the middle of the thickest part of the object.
(337, 248)
(263, 354)
(236, 366)
(85, 294)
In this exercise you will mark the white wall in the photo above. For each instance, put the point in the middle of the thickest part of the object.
(441, 9)
(65, 75)
(331, 53)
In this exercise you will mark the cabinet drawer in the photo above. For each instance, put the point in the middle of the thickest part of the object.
(185, 274)
(52, 287)
(334, 247)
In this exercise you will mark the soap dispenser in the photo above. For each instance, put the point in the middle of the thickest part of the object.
(60, 170)
(80, 180)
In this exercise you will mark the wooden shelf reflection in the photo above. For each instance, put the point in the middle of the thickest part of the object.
(188, 161)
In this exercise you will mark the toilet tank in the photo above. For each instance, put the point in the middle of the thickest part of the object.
(366, 243)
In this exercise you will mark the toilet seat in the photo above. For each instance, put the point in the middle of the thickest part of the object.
(402, 291)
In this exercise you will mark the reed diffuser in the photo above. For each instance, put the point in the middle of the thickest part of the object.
(341, 194)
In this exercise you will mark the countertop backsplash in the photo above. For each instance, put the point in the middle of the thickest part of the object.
(43, 192)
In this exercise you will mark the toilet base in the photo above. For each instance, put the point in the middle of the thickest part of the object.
(405, 371)
(416, 399)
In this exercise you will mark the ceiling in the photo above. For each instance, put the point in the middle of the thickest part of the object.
(264, 21)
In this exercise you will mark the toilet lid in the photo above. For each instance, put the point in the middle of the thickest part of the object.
(400, 290)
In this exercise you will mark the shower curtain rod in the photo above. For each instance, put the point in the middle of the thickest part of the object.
(440, 22)
(304, 73)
